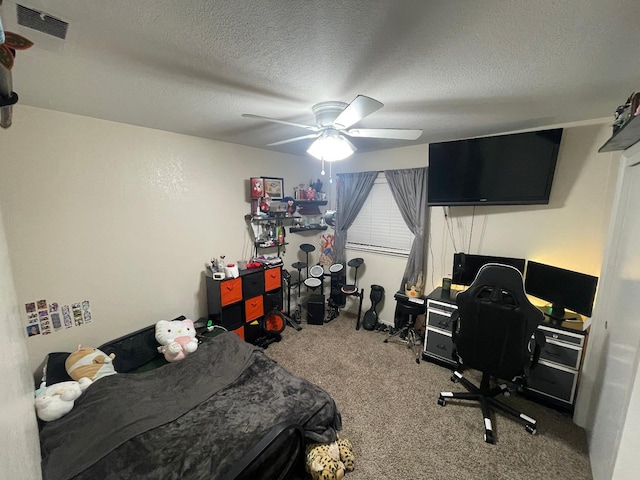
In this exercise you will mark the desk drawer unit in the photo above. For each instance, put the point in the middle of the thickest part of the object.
(553, 381)
(562, 354)
(557, 373)
(438, 343)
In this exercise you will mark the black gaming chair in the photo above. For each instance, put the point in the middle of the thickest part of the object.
(494, 331)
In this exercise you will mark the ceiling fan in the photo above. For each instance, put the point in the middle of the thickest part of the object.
(333, 125)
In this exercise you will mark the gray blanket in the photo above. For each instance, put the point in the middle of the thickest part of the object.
(190, 419)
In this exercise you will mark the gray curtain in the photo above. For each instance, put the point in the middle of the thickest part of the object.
(409, 190)
(352, 191)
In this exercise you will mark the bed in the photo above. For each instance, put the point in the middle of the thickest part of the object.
(225, 411)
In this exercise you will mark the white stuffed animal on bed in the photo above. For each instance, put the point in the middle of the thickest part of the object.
(177, 338)
(57, 400)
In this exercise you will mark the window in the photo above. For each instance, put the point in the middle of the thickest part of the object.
(379, 226)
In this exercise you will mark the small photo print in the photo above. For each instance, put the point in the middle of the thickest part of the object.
(77, 314)
(66, 316)
(53, 307)
(43, 313)
(33, 330)
(42, 305)
(32, 317)
(55, 319)
(30, 307)
(86, 311)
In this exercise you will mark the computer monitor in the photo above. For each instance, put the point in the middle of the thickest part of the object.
(466, 266)
(565, 289)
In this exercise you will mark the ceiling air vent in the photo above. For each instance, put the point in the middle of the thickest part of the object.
(41, 22)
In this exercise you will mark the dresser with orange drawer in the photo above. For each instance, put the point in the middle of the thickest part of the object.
(239, 304)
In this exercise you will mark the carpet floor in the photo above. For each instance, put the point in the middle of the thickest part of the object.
(391, 415)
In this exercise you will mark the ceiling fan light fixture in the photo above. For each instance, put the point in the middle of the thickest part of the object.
(331, 148)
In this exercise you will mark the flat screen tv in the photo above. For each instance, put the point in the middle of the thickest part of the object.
(466, 266)
(513, 169)
(565, 289)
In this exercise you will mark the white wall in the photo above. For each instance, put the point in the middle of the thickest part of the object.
(609, 399)
(19, 443)
(569, 232)
(124, 217)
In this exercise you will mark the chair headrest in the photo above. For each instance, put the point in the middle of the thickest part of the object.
(498, 278)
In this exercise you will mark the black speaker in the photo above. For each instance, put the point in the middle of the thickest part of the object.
(315, 310)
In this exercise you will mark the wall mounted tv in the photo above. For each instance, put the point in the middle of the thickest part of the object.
(513, 169)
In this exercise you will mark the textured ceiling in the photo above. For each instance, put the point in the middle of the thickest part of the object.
(455, 69)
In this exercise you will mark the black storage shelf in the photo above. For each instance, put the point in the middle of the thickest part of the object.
(310, 207)
(306, 229)
(624, 138)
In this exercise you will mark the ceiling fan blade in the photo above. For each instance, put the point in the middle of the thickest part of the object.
(356, 111)
(393, 133)
(295, 139)
(284, 122)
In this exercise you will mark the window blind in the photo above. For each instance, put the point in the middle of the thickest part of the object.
(379, 226)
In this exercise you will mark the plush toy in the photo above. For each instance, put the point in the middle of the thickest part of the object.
(57, 400)
(329, 461)
(177, 338)
(91, 363)
(291, 205)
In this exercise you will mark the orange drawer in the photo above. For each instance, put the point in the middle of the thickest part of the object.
(230, 291)
(239, 332)
(253, 308)
(272, 279)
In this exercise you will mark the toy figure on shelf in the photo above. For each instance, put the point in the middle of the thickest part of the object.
(317, 186)
(265, 202)
(291, 205)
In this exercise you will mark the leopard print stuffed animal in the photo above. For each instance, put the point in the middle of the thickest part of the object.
(329, 461)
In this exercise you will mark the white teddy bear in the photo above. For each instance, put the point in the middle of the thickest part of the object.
(57, 400)
(177, 338)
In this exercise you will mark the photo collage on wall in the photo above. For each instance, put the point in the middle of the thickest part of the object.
(45, 318)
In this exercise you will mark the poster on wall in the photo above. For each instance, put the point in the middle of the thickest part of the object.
(45, 318)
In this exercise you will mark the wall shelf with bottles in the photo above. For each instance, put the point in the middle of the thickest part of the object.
(624, 137)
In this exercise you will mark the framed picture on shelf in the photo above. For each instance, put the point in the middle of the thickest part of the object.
(274, 187)
(257, 187)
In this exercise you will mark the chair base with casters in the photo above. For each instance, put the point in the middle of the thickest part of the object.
(494, 332)
(485, 396)
(408, 332)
